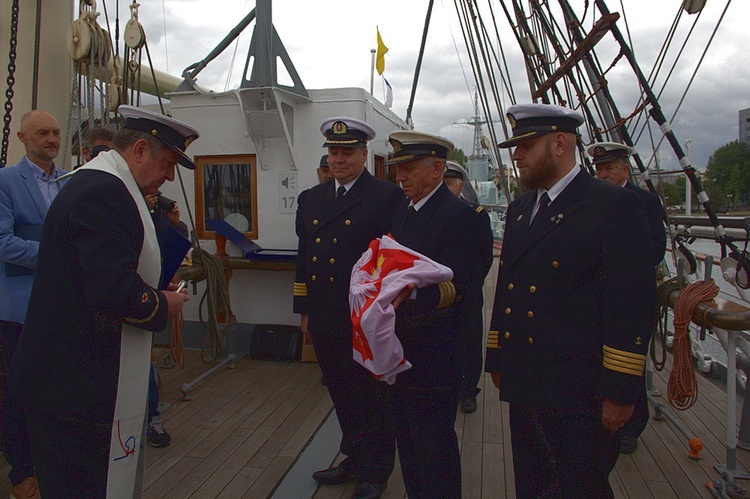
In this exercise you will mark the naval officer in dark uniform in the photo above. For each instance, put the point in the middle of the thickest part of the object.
(471, 362)
(428, 320)
(573, 311)
(611, 162)
(335, 223)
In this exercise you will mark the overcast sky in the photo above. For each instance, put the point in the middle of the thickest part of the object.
(330, 41)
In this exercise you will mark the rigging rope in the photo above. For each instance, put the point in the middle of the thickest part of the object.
(216, 298)
(176, 347)
(682, 388)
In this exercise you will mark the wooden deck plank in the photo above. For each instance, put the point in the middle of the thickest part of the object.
(231, 464)
(279, 377)
(236, 398)
(216, 460)
(312, 416)
(238, 485)
(628, 473)
(266, 482)
(661, 490)
(278, 401)
(163, 486)
(618, 488)
(160, 461)
(273, 446)
(492, 479)
(672, 461)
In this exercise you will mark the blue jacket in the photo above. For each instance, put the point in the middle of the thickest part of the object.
(22, 208)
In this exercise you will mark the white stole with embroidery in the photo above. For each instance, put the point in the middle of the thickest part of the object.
(125, 471)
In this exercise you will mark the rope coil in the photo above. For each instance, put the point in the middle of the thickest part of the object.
(682, 388)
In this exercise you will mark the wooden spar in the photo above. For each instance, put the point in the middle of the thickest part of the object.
(597, 32)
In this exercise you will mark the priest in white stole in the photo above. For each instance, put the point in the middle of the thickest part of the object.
(81, 365)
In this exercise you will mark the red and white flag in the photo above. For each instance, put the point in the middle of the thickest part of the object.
(378, 277)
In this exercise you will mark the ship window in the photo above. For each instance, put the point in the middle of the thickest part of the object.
(226, 189)
(384, 171)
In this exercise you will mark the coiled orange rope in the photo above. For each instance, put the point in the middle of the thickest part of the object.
(682, 388)
(176, 348)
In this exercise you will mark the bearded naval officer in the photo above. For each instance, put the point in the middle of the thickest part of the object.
(336, 220)
(573, 311)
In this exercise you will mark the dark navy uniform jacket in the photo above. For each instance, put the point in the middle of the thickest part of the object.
(655, 215)
(447, 230)
(575, 299)
(332, 237)
(86, 285)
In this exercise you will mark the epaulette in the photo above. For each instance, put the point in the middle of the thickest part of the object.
(479, 208)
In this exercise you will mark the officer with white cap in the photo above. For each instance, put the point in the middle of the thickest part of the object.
(84, 381)
(429, 319)
(611, 162)
(336, 220)
(573, 311)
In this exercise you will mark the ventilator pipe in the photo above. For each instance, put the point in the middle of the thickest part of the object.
(695, 444)
(230, 361)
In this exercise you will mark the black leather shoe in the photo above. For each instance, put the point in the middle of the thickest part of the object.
(628, 445)
(469, 404)
(333, 476)
(369, 490)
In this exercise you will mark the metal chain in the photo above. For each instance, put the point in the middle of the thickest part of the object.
(11, 81)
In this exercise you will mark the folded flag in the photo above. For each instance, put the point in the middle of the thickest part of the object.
(382, 271)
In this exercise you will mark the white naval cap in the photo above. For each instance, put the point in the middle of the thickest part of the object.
(410, 144)
(533, 120)
(342, 131)
(604, 152)
(174, 133)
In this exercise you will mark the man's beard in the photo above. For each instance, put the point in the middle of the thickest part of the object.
(535, 177)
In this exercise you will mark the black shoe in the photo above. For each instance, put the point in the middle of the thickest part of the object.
(469, 404)
(333, 476)
(369, 490)
(628, 444)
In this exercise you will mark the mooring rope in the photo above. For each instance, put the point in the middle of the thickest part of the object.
(682, 388)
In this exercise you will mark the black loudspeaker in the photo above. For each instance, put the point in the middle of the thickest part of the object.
(276, 342)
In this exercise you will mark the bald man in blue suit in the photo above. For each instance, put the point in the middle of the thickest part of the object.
(26, 191)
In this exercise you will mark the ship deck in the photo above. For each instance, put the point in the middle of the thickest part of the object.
(260, 429)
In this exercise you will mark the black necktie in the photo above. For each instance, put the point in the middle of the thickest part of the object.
(340, 192)
(543, 203)
(410, 213)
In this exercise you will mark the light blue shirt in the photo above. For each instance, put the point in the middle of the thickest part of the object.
(47, 186)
